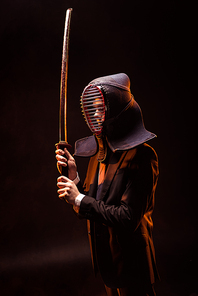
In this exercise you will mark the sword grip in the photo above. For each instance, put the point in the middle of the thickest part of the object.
(61, 145)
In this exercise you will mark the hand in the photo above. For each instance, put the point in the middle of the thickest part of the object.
(68, 160)
(68, 190)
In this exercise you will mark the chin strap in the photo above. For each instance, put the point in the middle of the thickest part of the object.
(102, 145)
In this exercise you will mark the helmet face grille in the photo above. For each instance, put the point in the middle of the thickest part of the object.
(93, 108)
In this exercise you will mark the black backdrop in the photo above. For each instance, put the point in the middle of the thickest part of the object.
(44, 248)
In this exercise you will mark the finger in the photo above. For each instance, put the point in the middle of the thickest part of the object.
(62, 196)
(68, 155)
(59, 152)
(60, 163)
(63, 178)
(61, 158)
(63, 192)
(63, 185)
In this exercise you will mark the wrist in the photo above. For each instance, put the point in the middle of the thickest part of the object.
(78, 199)
(76, 180)
(77, 203)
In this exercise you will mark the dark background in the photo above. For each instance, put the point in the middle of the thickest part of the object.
(44, 248)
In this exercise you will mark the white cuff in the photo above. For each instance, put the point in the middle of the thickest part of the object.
(78, 199)
(77, 179)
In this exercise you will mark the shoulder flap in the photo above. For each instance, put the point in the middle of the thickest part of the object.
(86, 147)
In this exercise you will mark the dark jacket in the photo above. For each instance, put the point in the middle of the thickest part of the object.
(119, 223)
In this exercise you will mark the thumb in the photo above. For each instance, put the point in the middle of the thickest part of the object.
(68, 155)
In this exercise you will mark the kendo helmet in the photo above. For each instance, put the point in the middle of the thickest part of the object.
(110, 110)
